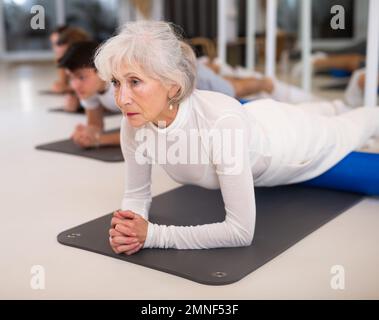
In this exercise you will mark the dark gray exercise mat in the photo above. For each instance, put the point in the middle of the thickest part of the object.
(62, 110)
(52, 93)
(106, 153)
(81, 111)
(285, 215)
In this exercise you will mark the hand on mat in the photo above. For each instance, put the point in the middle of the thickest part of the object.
(86, 136)
(128, 233)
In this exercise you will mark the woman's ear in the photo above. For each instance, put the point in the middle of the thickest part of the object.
(173, 91)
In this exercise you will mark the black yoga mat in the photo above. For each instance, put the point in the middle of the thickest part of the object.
(51, 92)
(105, 153)
(285, 215)
(82, 111)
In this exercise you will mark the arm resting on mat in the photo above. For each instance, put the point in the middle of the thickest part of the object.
(95, 117)
(236, 183)
(92, 135)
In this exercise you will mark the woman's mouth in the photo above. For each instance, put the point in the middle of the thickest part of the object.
(131, 114)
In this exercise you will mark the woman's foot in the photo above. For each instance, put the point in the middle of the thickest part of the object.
(297, 70)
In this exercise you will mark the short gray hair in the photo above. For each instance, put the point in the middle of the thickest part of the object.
(157, 48)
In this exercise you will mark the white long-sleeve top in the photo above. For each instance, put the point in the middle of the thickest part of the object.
(273, 152)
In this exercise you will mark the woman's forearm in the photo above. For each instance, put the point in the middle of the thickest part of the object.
(109, 139)
(216, 235)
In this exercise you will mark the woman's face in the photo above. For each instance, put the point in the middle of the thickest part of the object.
(142, 99)
(59, 50)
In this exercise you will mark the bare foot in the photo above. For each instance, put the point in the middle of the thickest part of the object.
(267, 85)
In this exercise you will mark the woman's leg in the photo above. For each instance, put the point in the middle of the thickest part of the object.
(325, 108)
(362, 123)
(349, 62)
(250, 86)
(284, 92)
(334, 138)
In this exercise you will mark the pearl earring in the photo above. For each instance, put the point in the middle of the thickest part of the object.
(171, 107)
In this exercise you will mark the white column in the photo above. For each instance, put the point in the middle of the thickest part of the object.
(306, 43)
(271, 37)
(371, 86)
(157, 10)
(60, 12)
(221, 38)
(2, 30)
(124, 12)
(250, 34)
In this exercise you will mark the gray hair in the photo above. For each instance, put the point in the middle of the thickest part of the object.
(157, 49)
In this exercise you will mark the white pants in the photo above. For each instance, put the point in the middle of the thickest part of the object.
(282, 92)
(304, 144)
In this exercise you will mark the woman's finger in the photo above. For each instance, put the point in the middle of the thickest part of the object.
(134, 250)
(114, 248)
(127, 248)
(125, 230)
(124, 240)
(117, 214)
(127, 214)
(124, 222)
(115, 221)
(114, 233)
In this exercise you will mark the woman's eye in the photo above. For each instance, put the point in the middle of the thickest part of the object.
(135, 82)
(115, 83)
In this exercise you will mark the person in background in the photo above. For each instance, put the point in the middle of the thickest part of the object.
(95, 95)
(61, 39)
(60, 85)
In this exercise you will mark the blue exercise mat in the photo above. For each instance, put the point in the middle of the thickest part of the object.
(358, 172)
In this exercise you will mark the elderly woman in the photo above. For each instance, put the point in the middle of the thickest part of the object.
(233, 147)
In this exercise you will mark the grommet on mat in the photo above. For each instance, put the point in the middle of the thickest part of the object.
(219, 274)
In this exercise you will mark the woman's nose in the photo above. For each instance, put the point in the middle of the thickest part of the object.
(124, 96)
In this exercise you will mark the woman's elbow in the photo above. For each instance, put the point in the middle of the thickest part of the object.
(247, 240)
(240, 236)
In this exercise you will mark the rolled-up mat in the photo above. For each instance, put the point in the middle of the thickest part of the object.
(104, 153)
(285, 215)
(358, 172)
